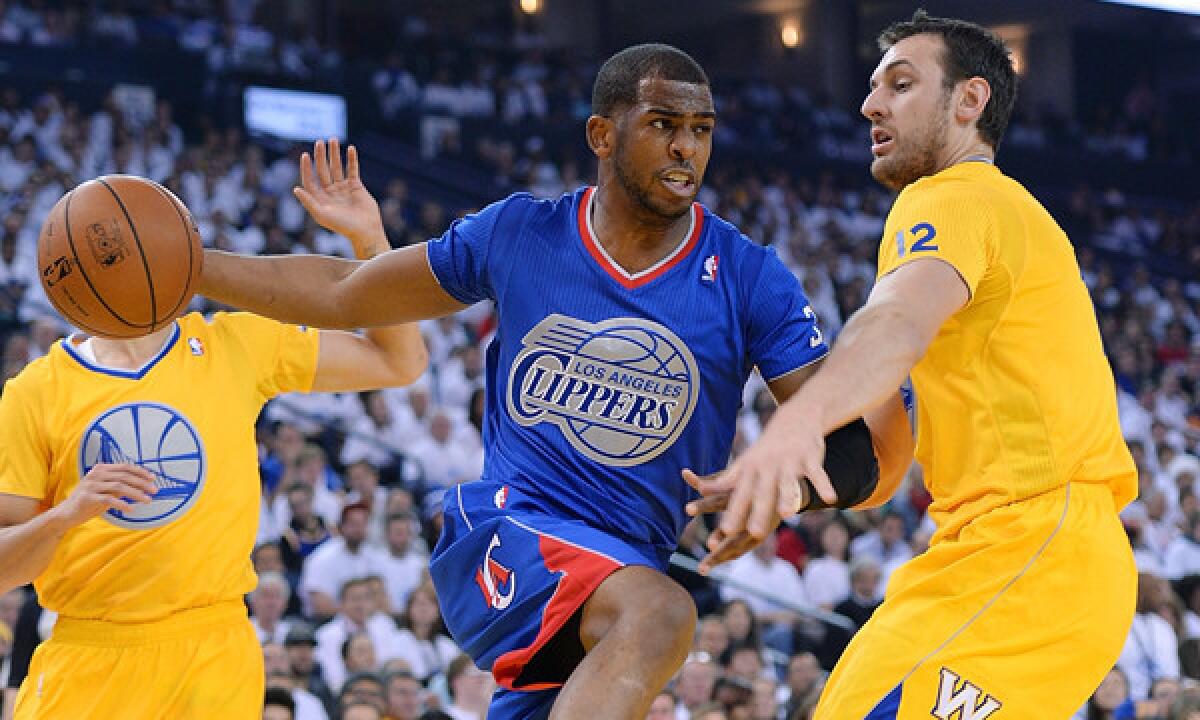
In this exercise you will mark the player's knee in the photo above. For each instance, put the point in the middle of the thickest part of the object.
(645, 605)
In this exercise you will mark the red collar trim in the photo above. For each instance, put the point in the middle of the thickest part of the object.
(618, 273)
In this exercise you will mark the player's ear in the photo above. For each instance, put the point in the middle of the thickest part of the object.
(972, 100)
(601, 135)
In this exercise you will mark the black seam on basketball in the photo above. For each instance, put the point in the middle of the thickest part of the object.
(79, 266)
(153, 325)
(187, 234)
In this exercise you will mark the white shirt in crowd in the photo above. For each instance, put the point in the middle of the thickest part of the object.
(1151, 652)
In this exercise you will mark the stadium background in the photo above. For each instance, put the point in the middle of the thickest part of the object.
(455, 103)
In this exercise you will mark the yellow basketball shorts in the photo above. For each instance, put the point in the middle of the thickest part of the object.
(1019, 615)
(200, 663)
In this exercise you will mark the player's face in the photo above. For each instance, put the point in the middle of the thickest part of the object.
(909, 110)
(663, 144)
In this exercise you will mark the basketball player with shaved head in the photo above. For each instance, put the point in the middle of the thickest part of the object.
(630, 318)
(129, 495)
(1025, 597)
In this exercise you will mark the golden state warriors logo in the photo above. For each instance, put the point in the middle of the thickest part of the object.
(157, 438)
(621, 390)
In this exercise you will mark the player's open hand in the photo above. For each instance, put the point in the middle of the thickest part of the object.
(108, 487)
(335, 196)
(761, 487)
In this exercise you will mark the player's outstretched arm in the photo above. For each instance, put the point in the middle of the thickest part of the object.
(28, 539)
(871, 358)
(393, 287)
(385, 356)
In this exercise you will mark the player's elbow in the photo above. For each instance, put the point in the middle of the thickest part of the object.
(407, 370)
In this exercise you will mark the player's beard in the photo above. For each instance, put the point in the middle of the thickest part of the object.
(918, 157)
(641, 195)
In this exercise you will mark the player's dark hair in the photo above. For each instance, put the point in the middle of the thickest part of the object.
(971, 51)
(617, 82)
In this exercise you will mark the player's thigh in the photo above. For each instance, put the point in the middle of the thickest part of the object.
(1022, 614)
(188, 678)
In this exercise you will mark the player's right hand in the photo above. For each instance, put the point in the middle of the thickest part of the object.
(107, 487)
(336, 198)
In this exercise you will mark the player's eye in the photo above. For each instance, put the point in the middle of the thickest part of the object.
(660, 124)
(702, 129)
(902, 85)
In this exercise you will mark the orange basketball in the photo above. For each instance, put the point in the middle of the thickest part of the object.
(120, 256)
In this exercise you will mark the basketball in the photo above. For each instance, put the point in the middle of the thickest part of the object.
(119, 256)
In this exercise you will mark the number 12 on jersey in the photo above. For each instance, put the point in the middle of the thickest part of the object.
(922, 234)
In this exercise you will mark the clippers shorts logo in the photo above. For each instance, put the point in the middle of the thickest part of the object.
(621, 391)
(157, 438)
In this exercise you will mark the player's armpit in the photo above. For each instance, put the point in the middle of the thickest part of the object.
(850, 464)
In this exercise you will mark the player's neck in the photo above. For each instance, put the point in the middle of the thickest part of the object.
(632, 237)
(130, 354)
(972, 150)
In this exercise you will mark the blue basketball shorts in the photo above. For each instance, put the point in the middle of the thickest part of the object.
(512, 578)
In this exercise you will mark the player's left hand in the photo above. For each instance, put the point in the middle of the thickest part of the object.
(337, 199)
(762, 485)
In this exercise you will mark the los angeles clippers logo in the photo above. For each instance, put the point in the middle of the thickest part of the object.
(621, 390)
(493, 577)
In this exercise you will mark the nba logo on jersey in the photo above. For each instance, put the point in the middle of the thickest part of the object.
(159, 439)
(621, 391)
(493, 577)
(196, 345)
(710, 268)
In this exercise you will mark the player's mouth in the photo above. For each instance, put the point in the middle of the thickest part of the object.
(881, 141)
(679, 182)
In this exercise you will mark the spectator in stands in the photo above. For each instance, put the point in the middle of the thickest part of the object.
(1183, 553)
(306, 530)
(268, 602)
(405, 696)
(338, 561)
(1111, 701)
(300, 646)
(827, 576)
(356, 614)
(1152, 648)
(362, 483)
(711, 636)
(886, 545)
(695, 682)
(404, 566)
(364, 688)
(470, 689)
(422, 640)
(663, 707)
(865, 595)
(760, 573)
(803, 682)
(279, 675)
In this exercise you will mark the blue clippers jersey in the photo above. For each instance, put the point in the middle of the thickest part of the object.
(601, 386)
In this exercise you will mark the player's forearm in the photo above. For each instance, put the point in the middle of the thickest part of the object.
(300, 289)
(892, 437)
(26, 549)
(870, 360)
(401, 346)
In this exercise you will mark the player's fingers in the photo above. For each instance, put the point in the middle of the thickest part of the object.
(321, 155)
(335, 160)
(728, 549)
(352, 162)
(734, 519)
(790, 496)
(119, 489)
(306, 199)
(307, 179)
(118, 504)
(708, 504)
(706, 484)
(821, 483)
(762, 508)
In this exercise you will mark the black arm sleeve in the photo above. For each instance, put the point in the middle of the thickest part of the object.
(25, 640)
(850, 464)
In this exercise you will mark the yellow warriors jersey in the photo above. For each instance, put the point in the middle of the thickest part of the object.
(1014, 395)
(187, 417)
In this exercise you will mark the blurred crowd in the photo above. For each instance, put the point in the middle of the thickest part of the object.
(352, 482)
